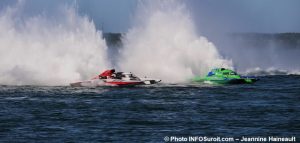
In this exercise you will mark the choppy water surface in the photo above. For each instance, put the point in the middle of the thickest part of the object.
(269, 107)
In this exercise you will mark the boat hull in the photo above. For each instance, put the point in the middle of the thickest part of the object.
(224, 76)
(123, 83)
(215, 80)
(88, 83)
(233, 81)
(97, 82)
(112, 78)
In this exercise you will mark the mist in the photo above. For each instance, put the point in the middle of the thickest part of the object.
(248, 33)
(47, 49)
(163, 43)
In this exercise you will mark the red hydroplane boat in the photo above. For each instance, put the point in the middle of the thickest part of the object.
(112, 78)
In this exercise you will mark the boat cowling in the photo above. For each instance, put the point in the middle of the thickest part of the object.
(107, 73)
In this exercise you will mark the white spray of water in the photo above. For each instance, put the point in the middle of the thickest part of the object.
(270, 71)
(40, 50)
(264, 54)
(163, 44)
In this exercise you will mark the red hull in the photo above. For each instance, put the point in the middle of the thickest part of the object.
(122, 83)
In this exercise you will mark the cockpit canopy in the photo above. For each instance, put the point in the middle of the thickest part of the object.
(221, 71)
(122, 75)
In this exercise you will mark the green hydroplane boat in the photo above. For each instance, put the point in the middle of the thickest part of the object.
(224, 76)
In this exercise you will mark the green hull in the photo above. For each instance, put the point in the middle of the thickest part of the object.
(224, 81)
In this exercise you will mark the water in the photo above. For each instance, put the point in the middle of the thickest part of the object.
(269, 107)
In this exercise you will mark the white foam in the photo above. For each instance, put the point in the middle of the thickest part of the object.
(164, 44)
(49, 51)
(270, 71)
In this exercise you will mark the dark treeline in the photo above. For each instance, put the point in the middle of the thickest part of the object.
(291, 40)
(255, 39)
(113, 39)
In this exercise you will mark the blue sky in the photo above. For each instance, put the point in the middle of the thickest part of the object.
(264, 16)
(267, 16)
(111, 15)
